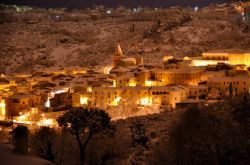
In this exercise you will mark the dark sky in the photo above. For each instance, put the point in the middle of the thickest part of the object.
(110, 3)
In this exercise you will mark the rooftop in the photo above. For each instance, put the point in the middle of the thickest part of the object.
(225, 51)
(21, 96)
(230, 78)
(170, 88)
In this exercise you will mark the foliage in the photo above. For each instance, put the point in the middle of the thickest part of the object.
(139, 142)
(241, 114)
(19, 130)
(138, 133)
(205, 135)
(43, 143)
(214, 134)
(84, 123)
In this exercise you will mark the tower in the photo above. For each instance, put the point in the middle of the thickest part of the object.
(117, 56)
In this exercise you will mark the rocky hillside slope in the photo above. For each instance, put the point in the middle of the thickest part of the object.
(39, 39)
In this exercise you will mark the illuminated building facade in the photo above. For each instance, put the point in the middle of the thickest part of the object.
(80, 99)
(230, 85)
(21, 103)
(4, 83)
(198, 91)
(161, 77)
(61, 99)
(232, 57)
(2, 108)
(189, 75)
(105, 97)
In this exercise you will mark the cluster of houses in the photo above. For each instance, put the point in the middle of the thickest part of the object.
(128, 84)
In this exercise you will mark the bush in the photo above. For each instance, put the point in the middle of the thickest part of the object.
(43, 143)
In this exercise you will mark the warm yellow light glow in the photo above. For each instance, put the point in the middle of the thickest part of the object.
(45, 122)
(186, 58)
(34, 110)
(114, 83)
(205, 62)
(145, 101)
(148, 83)
(132, 83)
(2, 108)
(43, 115)
(83, 100)
(89, 89)
(166, 58)
(116, 101)
(47, 103)
(106, 70)
(22, 118)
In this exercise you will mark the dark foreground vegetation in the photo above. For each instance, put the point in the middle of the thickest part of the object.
(208, 135)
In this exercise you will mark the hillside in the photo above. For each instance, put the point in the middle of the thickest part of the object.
(42, 38)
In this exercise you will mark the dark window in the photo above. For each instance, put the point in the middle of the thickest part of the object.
(15, 101)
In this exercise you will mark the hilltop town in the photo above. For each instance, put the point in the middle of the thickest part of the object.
(171, 58)
(129, 87)
(139, 86)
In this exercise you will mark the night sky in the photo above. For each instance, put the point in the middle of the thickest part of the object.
(110, 3)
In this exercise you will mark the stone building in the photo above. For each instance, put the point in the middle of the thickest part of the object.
(120, 60)
(21, 103)
(131, 97)
(232, 57)
(230, 85)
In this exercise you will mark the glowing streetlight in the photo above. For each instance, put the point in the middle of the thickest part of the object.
(196, 8)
